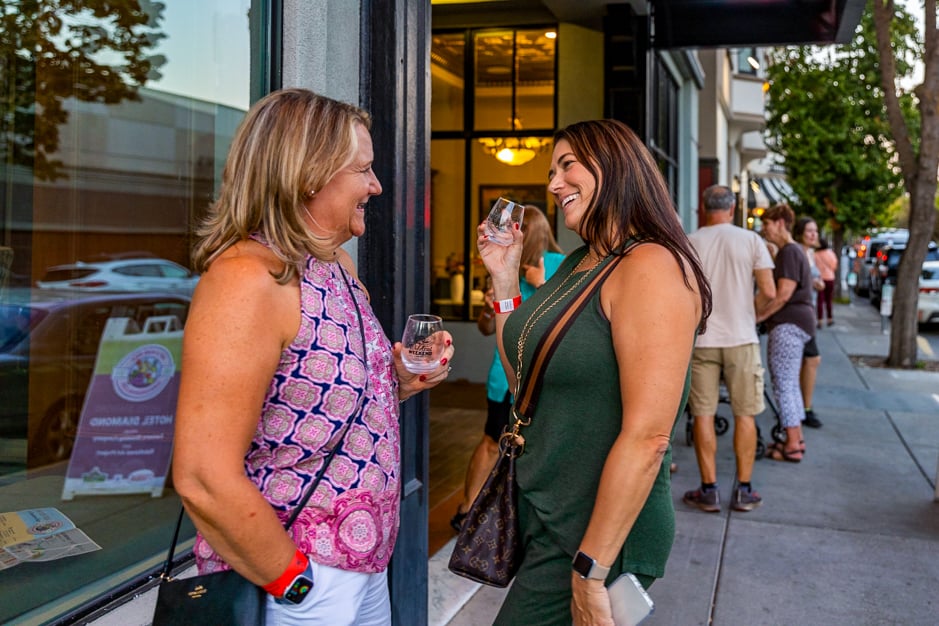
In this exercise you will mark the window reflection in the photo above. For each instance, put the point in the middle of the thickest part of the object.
(113, 135)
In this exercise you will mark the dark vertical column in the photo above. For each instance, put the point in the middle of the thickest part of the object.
(393, 254)
(625, 48)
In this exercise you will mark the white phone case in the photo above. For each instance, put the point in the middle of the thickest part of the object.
(630, 602)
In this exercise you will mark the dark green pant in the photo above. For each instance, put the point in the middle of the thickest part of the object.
(541, 592)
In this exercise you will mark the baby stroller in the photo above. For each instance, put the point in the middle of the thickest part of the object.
(722, 423)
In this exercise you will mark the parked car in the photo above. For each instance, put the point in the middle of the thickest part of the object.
(48, 346)
(928, 306)
(867, 251)
(122, 274)
(884, 270)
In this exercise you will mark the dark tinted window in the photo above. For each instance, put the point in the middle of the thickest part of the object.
(72, 273)
(138, 270)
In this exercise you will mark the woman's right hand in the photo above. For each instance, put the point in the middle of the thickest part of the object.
(502, 262)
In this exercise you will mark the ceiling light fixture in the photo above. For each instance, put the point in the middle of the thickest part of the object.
(515, 150)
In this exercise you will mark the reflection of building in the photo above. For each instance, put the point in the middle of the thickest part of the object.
(137, 174)
(450, 86)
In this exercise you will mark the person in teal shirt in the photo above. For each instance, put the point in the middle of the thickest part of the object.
(541, 256)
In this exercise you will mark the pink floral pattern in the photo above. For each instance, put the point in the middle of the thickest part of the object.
(351, 522)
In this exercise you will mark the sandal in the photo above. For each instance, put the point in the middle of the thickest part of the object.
(781, 454)
(775, 445)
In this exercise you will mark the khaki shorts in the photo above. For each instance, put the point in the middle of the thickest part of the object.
(742, 374)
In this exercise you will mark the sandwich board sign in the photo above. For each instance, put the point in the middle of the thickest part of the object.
(125, 434)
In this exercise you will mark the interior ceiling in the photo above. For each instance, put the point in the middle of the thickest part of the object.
(681, 23)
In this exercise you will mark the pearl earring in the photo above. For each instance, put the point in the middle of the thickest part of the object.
(310, 193)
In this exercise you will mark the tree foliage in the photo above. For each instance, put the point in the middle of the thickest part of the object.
(826, 119)
(53, 50)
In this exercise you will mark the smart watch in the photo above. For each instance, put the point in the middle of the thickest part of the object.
(299, 588)
(587, 567)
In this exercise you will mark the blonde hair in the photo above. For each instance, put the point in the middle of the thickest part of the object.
(538, 236)
(292, 142)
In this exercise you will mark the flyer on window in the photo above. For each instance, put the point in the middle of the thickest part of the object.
(125, 434)
(35, 535)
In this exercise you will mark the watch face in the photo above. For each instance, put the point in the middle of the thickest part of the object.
(298, 590)
(582, 564)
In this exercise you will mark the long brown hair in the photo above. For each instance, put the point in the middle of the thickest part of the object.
(632, 200)
(538, 237)
(290, 143)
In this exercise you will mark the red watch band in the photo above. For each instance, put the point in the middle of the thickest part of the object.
(296, 567)
(507, 306)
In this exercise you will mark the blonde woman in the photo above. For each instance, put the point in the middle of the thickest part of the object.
(275, 362)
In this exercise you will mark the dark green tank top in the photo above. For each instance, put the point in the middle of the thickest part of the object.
(578, 417)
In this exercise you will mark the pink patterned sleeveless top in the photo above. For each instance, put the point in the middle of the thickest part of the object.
(351, 521)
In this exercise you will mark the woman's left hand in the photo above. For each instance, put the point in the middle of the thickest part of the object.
(591, 603)
(410, 383)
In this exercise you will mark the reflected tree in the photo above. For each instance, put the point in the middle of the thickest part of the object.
(53, 50)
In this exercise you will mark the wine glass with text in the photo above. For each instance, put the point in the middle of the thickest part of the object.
(423, 343)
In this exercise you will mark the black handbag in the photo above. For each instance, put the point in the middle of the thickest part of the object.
(489, 545)
(228, 598)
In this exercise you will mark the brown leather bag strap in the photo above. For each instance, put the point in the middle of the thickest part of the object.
(530, 390)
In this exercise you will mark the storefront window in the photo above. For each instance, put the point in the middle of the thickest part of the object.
(114, 127)
(501, 145)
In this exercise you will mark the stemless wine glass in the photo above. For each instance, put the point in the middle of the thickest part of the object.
(501, 218)
(423, 343)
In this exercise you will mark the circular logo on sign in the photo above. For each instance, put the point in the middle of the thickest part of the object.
(143, 373)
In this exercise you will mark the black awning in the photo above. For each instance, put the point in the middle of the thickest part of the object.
(739, 23)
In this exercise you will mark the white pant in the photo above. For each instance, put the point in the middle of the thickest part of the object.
(338, 598)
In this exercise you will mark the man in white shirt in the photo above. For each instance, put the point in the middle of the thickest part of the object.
(732, 258)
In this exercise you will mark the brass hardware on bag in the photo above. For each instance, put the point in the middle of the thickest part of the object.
(198, 592)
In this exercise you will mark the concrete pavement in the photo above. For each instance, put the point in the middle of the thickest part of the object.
(848, 536)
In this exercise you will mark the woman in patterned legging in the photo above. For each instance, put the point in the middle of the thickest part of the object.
(790, 318)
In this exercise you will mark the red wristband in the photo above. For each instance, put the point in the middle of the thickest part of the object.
(296, 567)
(507, 306)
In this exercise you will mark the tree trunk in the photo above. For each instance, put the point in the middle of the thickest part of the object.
(919, 173)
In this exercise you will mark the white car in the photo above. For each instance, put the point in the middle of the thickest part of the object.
(928, 306)
(122, 275)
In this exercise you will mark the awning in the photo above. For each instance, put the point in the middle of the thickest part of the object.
(739, 23)
(769, 191)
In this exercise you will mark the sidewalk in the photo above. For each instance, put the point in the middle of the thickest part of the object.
(848, 536)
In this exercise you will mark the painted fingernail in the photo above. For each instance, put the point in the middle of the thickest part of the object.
(449, 342)
(517, 226)
(422, 378)
(443, 361)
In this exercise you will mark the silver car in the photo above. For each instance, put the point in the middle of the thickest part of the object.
(131, 274)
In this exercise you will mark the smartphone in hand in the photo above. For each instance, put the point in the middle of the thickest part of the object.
(629, 600)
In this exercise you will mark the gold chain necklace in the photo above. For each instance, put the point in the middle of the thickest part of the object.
(546, 305)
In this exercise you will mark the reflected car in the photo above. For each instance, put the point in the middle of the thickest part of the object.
(129, 274)
(927, 308)
(48, 346)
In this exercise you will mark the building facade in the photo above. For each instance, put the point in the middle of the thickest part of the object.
(115, 131)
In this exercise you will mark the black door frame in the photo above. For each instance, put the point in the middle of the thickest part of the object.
(393, 254)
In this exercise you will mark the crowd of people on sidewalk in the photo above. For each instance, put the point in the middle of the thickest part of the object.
(783, 283)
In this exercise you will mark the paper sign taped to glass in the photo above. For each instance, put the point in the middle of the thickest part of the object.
(125, 434)
(36, 535)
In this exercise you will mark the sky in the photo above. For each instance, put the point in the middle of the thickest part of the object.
(207, 51)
